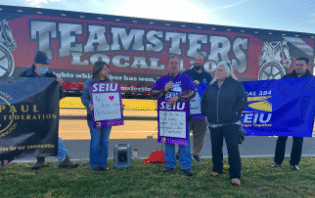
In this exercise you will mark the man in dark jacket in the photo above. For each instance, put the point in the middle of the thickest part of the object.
(40, 69)
(198, 123)
(299, 71)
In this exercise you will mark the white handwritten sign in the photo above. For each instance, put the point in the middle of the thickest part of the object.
(107, 106)
(106, 98)
(195, 105)
(172, 124)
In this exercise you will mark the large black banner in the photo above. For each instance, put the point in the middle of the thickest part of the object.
(29, 117)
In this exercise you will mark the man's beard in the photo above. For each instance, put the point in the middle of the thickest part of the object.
(198, 68)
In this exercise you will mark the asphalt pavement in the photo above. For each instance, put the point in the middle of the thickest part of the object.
(146, 143)
(78, 150)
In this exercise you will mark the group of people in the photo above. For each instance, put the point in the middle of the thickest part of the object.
(99, 136)
(222, 104)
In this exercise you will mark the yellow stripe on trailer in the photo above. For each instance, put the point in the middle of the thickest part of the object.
(130, 104)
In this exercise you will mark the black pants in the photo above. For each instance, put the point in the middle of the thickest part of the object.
(295, 153)
(230, 134)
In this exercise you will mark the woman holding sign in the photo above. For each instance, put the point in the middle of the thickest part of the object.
(99, 136)
(223, 102)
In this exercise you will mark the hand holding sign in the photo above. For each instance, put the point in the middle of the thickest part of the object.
(106, 104)
(91, 107)
(173, 100)
(196, 82)
(60, 81)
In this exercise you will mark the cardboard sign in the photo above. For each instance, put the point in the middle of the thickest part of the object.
(173, 122)
(106, 98)
(195, 107)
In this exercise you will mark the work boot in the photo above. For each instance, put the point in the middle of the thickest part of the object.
(188, 172)
(196, 158)
(167, 169)
(67, 163)
(276, 165)
(40, 163)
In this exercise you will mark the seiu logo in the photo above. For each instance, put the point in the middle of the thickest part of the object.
(176, 88)
(263, 111)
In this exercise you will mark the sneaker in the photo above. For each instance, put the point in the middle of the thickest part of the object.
(67, 163)
(235, 182)
(168, 169)
(39, 164)
(104, 168)
(276, 165)
(188, 172)
(97, 168)
(214, 174)
(295, 167)
(196, 158)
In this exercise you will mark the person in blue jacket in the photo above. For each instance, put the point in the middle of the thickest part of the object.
(99, 136)
(174, 87)
(40, 69)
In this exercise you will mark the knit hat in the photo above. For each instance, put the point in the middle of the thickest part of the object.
(41, 58)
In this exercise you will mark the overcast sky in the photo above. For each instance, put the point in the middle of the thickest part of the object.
(289, 15)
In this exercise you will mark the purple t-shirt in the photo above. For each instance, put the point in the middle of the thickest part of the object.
(181, 83)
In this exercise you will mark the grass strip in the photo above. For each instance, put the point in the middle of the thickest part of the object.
(148, 180)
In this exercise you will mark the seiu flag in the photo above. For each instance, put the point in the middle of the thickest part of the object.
(282, 107)
(29, 115)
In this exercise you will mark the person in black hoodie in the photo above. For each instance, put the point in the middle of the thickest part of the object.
(222, 103)
(40, 69)
(299, 71)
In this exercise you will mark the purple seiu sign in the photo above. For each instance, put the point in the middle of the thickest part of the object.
(195, 103)
(195, 107)
(173, 122)
(106, 98)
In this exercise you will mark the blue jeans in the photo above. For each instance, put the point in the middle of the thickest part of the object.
(62, 152)
(99, 145)
(184, 155)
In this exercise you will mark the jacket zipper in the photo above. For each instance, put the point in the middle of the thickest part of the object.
(218, 105)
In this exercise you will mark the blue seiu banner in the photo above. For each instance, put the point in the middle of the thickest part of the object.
(282, 107)
(202, 88)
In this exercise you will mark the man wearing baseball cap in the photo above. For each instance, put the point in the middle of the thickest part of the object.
(40, 69)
